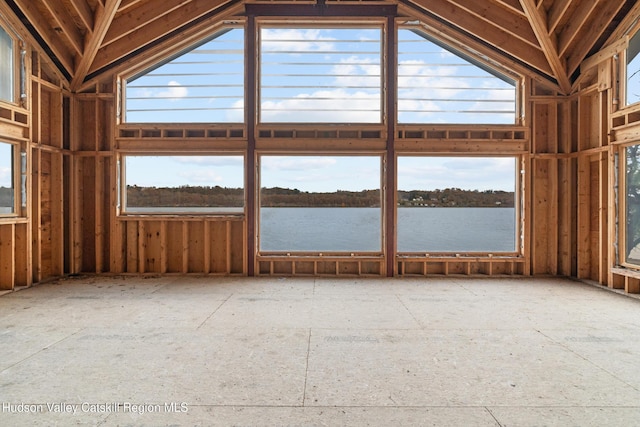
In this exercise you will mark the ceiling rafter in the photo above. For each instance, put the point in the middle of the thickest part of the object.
(463, 40)
(594, 28)
(155, 30)
(538, 23)
(104, 16)
(84, 12)
(136, 18)
(556, 12)
(497, 37)
(150, 54)
(514, 5)
(491, 14)
(66, 24)
(43, 27)
(577, 21)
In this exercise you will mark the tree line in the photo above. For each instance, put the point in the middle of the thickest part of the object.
(205, 196)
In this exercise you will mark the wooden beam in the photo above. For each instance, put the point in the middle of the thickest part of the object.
(135, 18)
(538, 23)
(49, 36)
(492, 35)
(591, 33)
(84, 11)
(514, 23)
(65, 24)
(575, 24)
(556, 12)
(514, 5)
(154, 31)
(103, 18)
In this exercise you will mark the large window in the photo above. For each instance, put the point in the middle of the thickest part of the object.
(182, 184)
(456, 204)
(7, 179)
(320, 75)
(320, 204)
(203, 85)
(439, 85)
(632, 204)
(7, 66)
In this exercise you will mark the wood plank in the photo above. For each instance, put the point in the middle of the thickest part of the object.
(590, 33)
(155, 30)
(495, 36)
(549, 47)
(7, 256)
(22, 255)
(99, 221)
(46, 31)
(577, 22)
(57, 215)
(84, 12)
(584, 218)
(131, 19)
(103, 18)
(66, 25)
(556, 12)
(196, 247)
(514, 23)
(132, 246)
(174, 252)
(219, 244)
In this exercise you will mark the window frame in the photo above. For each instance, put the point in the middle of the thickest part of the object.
(187, 211)
(499, 71)
(19, 179)
(518, 205)
(623, 256)
(139, 72)
(382, 229)
(633, 35)
(18, 72)
(319, 23)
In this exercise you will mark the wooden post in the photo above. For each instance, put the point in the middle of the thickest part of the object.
(390, 175)
(251, 192)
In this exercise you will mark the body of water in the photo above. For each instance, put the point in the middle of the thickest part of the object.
(359, 229)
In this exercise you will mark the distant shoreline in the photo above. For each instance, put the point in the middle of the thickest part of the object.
(202, 196)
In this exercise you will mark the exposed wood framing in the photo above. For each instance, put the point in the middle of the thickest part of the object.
(539, 21)
(104, 17)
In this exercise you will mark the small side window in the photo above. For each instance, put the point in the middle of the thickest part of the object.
(7, 66)
(7, 180)
(633, 70)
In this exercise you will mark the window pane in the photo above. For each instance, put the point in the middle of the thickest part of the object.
(174, 184)
(436, 85)
(7, 192)
(633, 70)
(632, 180)
(456, 204)
(320, 204)
(203, 85)
(6, 66)
(320, 75)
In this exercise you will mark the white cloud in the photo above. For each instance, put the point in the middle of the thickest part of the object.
(174, 91)
(295, 40)
(340, 106)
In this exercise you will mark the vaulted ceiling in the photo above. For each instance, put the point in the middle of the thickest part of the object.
(547, 39)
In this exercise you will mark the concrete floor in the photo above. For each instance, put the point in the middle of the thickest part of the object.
(262, 352)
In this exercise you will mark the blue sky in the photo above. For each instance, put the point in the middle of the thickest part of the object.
(322, 75)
